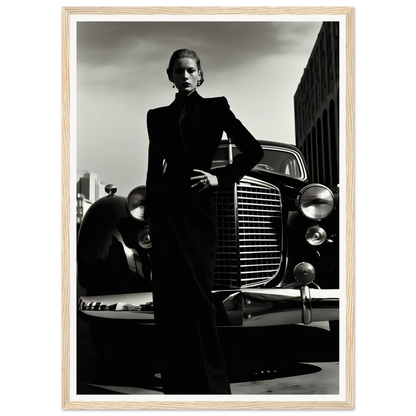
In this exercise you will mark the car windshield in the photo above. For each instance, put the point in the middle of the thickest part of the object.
(279, 160)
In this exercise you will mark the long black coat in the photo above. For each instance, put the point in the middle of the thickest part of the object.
(184, 235)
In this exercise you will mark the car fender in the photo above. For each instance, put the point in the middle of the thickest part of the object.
(109, 257)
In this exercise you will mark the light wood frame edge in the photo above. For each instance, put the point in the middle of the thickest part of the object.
(64, 283)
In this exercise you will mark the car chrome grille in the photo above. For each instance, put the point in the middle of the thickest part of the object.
(249, 234)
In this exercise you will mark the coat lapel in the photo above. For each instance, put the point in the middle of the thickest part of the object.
(175, 127)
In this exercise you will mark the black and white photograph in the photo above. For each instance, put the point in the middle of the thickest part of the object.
(210, 175)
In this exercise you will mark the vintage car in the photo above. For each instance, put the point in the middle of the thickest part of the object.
(277, 262)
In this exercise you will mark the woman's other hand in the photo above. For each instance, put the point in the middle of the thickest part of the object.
(205, 178)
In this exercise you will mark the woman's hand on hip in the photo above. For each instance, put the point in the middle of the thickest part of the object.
(205, 178)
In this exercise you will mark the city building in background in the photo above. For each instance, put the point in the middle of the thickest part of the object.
(317, 108)
(89, 185)
(89, 189)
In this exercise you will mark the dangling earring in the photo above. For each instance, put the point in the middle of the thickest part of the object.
(173, 86)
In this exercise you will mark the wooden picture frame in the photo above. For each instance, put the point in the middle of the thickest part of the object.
(346, 14)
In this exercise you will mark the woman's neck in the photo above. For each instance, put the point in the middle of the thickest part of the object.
(185, 94)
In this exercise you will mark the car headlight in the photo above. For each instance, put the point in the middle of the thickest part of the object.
(315, 201)
(304, 273)
(135, 203)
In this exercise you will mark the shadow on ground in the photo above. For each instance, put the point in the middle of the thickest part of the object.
(128, 365)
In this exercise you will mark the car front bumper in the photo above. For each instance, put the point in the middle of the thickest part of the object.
(242, 307)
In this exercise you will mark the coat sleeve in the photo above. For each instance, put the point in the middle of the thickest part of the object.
(251, 151)
(154, 166)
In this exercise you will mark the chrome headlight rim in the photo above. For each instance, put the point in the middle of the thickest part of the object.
(144, 240)
(322, 195)
(135, 203)
(316, 235)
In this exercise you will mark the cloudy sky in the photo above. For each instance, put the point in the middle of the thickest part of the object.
(121, 74)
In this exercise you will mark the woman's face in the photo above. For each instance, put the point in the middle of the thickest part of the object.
(185, 75)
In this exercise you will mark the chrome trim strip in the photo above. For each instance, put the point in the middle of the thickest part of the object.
(237, 231)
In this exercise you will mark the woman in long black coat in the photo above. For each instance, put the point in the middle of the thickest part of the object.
(184, 138)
